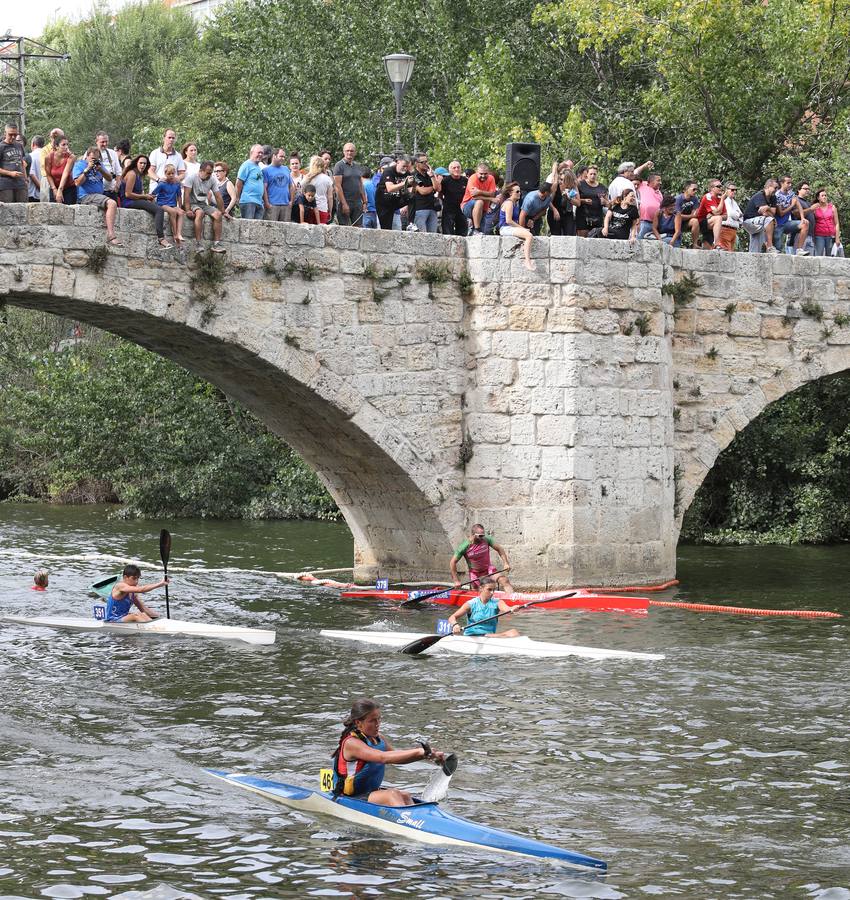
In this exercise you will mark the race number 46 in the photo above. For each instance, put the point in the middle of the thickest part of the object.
(326, 779)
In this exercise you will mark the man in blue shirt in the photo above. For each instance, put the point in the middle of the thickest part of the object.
(534, 207)
(250, 185)
(88, 174)
(277, 189)
(370, 213)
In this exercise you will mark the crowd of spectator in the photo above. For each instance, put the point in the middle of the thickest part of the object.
(403, 193)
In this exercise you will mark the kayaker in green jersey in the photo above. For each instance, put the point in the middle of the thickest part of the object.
(476, 552)
(483, 606)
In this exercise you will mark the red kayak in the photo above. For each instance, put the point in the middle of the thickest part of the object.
(582, 599)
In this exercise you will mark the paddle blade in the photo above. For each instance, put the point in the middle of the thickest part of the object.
(438, 786)
(420, 645)
(164, 546)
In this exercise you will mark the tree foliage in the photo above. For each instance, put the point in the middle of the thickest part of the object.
(127, 74)
(102, 419)
(785, 478)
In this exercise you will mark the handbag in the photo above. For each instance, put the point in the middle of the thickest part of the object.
(837, 250)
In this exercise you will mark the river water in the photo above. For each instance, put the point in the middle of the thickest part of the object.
(721, 772)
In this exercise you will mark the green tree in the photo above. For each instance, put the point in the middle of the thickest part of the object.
(126, 74)
(731, 84)
(102, 419)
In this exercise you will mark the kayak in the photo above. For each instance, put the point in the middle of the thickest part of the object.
(482, 646)
(450, 597)
(423, 822)
(158, 628)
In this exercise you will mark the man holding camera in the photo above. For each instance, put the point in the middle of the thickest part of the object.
(89, 174)
(393, 192)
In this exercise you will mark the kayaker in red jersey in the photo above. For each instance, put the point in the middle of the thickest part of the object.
(40, 580)
(363, 753)
(476, 552)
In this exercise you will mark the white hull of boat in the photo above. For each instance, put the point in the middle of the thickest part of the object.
(158, 628)
(482, 646)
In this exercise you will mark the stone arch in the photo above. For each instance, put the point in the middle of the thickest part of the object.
(698, 462)
(396, 487)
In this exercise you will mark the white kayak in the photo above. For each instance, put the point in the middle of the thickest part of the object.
(158, 628)
(482, 646)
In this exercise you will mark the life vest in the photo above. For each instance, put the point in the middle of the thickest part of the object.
(355, 777)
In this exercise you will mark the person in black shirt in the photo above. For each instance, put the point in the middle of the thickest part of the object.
(593, 197)
(760, 217)
(425, 195)
(304, 209)
(452, 189)
(621, 220)
(393, 191)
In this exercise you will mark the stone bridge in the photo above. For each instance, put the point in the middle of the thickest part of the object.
(434, 382)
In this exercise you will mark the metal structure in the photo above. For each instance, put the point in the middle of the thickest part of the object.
(399, 69)
(15, 50)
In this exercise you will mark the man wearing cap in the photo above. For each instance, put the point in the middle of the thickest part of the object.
(452, 188)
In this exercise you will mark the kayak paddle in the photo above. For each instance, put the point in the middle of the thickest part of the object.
(420, 645)
(164, 553)
(411, 600)
(438, 785)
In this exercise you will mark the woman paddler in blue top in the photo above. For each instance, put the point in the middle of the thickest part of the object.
(363, 753)
(483, 606)
(124, 596)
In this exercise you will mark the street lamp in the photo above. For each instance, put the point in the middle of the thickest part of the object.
(399, 69)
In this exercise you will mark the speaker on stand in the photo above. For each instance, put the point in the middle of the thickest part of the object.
(522, 164)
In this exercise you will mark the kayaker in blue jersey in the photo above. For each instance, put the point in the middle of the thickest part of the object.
(363, 753)
(482, 607)
(124, 596)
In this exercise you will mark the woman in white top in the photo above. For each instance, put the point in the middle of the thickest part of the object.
(324, 184)
(731, 215)
(190, 157)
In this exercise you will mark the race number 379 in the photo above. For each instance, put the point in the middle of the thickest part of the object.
(326, 779)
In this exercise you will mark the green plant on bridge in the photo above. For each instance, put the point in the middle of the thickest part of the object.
(712, 353)
(841, 320)
(208, 275)
(643, 324)
(729, 310)
(97, 258)
(682, 291)
(812, 308)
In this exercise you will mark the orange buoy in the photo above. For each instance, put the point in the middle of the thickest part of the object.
(743, 611)
(638, 588)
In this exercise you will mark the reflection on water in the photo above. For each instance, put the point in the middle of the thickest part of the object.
(720, 772)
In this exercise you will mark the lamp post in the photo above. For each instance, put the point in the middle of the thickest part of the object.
(399, 69)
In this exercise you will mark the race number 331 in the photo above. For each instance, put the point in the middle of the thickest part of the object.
(326, 779)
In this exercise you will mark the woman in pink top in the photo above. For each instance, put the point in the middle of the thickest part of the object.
(649, 202)
(827, 229)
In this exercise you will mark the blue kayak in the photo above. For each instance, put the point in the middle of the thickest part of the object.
(424, 822)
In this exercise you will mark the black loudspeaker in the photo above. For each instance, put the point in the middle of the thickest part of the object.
(522, 164)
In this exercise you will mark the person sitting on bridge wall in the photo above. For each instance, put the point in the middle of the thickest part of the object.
(89, 176)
